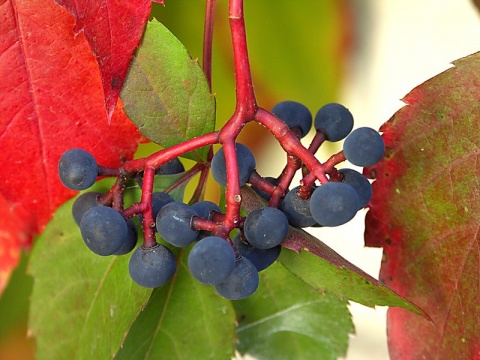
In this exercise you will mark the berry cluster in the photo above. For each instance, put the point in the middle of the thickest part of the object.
(227, 250)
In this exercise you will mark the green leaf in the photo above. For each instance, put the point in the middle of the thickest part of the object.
(82, 304)
(288, 319)
(183, 320)
(166, 93)
(342, 280)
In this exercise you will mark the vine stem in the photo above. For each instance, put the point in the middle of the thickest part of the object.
(208, 40)
(290, 143)
(245, 96)
(246, 110)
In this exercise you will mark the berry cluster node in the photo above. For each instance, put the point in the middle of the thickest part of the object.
(226, 250)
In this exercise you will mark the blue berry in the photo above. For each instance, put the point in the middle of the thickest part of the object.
(159, 200)
(174, 224)
(130, 240)
(241, 283)
(171, 167)
(265, 227)
(78, 169)
(363, 147)
(261, 258)
(83, 203)
(360, 184)
(205, 209)
(103, 230)
(246, 165)
(295, 115)
(152, 267)
(297, 209)
(334, 120)
(334, 204)
(211, 260)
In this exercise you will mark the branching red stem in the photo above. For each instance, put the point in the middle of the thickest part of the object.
(290, 143)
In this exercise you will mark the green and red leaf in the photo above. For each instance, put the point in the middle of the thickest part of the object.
(166, 93)
(113, 29)
(425, 213)
(51, 99)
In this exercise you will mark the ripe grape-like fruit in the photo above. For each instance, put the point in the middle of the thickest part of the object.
(333, 204)
(159, 200)
(152, 267)
(205, 209)
(174, 224)
(103, 230)
(211, 260)
(171, 167)
(360, 184)
(130, 240)
(295, 115)
(265, 227)
(83, 203)
(241, 283)
(334, 120)
(261, 258)
(363, 147)
(246, 165)
(77, 169)
(297, 209)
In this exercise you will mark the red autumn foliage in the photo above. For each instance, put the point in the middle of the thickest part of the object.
(51, 99)
(113, 29)
(425, 213)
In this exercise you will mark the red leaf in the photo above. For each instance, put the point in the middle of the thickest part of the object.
(51, 99)
(425, 213)
(113, 29)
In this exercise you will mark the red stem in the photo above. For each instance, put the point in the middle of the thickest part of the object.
(208, 40)
(290, 143)
(293, 164)
(161, 157)
(148, 222)
(233, 196)
(245, 96)
(190, 174)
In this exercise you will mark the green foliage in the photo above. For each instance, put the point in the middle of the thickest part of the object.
(342, 281)
(81, 304)
(182, 320)
(288, 319)
(170, 103)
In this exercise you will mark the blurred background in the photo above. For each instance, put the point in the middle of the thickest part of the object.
(366, 54)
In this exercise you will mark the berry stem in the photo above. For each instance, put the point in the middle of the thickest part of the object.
(293, 164)
(148, 222)
(257, 181)
(232, 194)
(317, 141)
(290, 143)
(109, 172)
(200, 189)
(189, 174)
(161, 157)
(208, 40)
